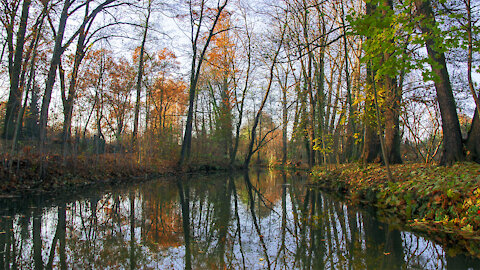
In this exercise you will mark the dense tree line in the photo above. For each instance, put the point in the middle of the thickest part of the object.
(291, 81)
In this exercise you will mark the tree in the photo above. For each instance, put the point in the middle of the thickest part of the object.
(59, 49)
(452, 137)
(274, 57)
(351, 120)
(197, 18)
(86, 40)
(168, 97)
(472, 145)
(140, 72)
(118, 98)
(220, 67)
(387, 34)
(247, 45)
(392, 99)
(15, 95)
(371, 141)
(464, 23)
(36, 31)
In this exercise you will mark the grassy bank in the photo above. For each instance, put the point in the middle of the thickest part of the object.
(24, 174)
(443, 202)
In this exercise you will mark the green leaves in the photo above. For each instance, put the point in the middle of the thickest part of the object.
(392, 37)
(387, 35)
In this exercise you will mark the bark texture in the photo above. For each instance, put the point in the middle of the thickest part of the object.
(452, 138)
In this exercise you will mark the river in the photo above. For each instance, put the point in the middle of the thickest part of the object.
(263, 220)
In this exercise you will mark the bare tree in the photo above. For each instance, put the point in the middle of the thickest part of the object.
(59, 49)
(197, 19)
(250, 150)
(15, 95)
(140, 72)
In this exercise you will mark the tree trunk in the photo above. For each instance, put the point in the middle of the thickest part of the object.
(250, 151)
(233, 154)
(284, 122)
(224, 121)
(452, 138)
(15, 95)
(371, 141)
(9, 28)
(320, 104)
(52, 73)
(195, 73)
(140, 75)
(33, 46)
(472, 143)
(392, 130)
(349, 145)
(68, 100)
(391, 107)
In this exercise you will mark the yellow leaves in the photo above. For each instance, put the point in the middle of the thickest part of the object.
(467, 228)
(467, 203)
(419, 221)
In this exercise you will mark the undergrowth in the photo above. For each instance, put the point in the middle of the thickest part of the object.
(439, 200)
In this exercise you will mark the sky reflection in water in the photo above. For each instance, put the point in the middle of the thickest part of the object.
(266, 220)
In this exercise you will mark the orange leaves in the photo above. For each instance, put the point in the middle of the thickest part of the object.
(122, 76)
(222, 52)
(169, 96)
(169, 90)
(166, 55)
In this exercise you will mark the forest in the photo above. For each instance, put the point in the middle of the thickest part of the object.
(114, 114)
(158, 84)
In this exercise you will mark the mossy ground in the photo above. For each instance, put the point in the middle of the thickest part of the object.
(441, 201)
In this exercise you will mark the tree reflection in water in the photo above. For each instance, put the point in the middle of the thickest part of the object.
(251, 221)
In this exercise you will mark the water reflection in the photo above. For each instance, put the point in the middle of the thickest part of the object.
(252, 221)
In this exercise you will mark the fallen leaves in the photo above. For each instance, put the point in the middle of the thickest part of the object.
(428, 198)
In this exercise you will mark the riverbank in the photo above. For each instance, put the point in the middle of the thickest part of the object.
(443, 202)
(23, 175)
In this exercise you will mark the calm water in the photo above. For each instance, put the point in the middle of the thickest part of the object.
(260, 221)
